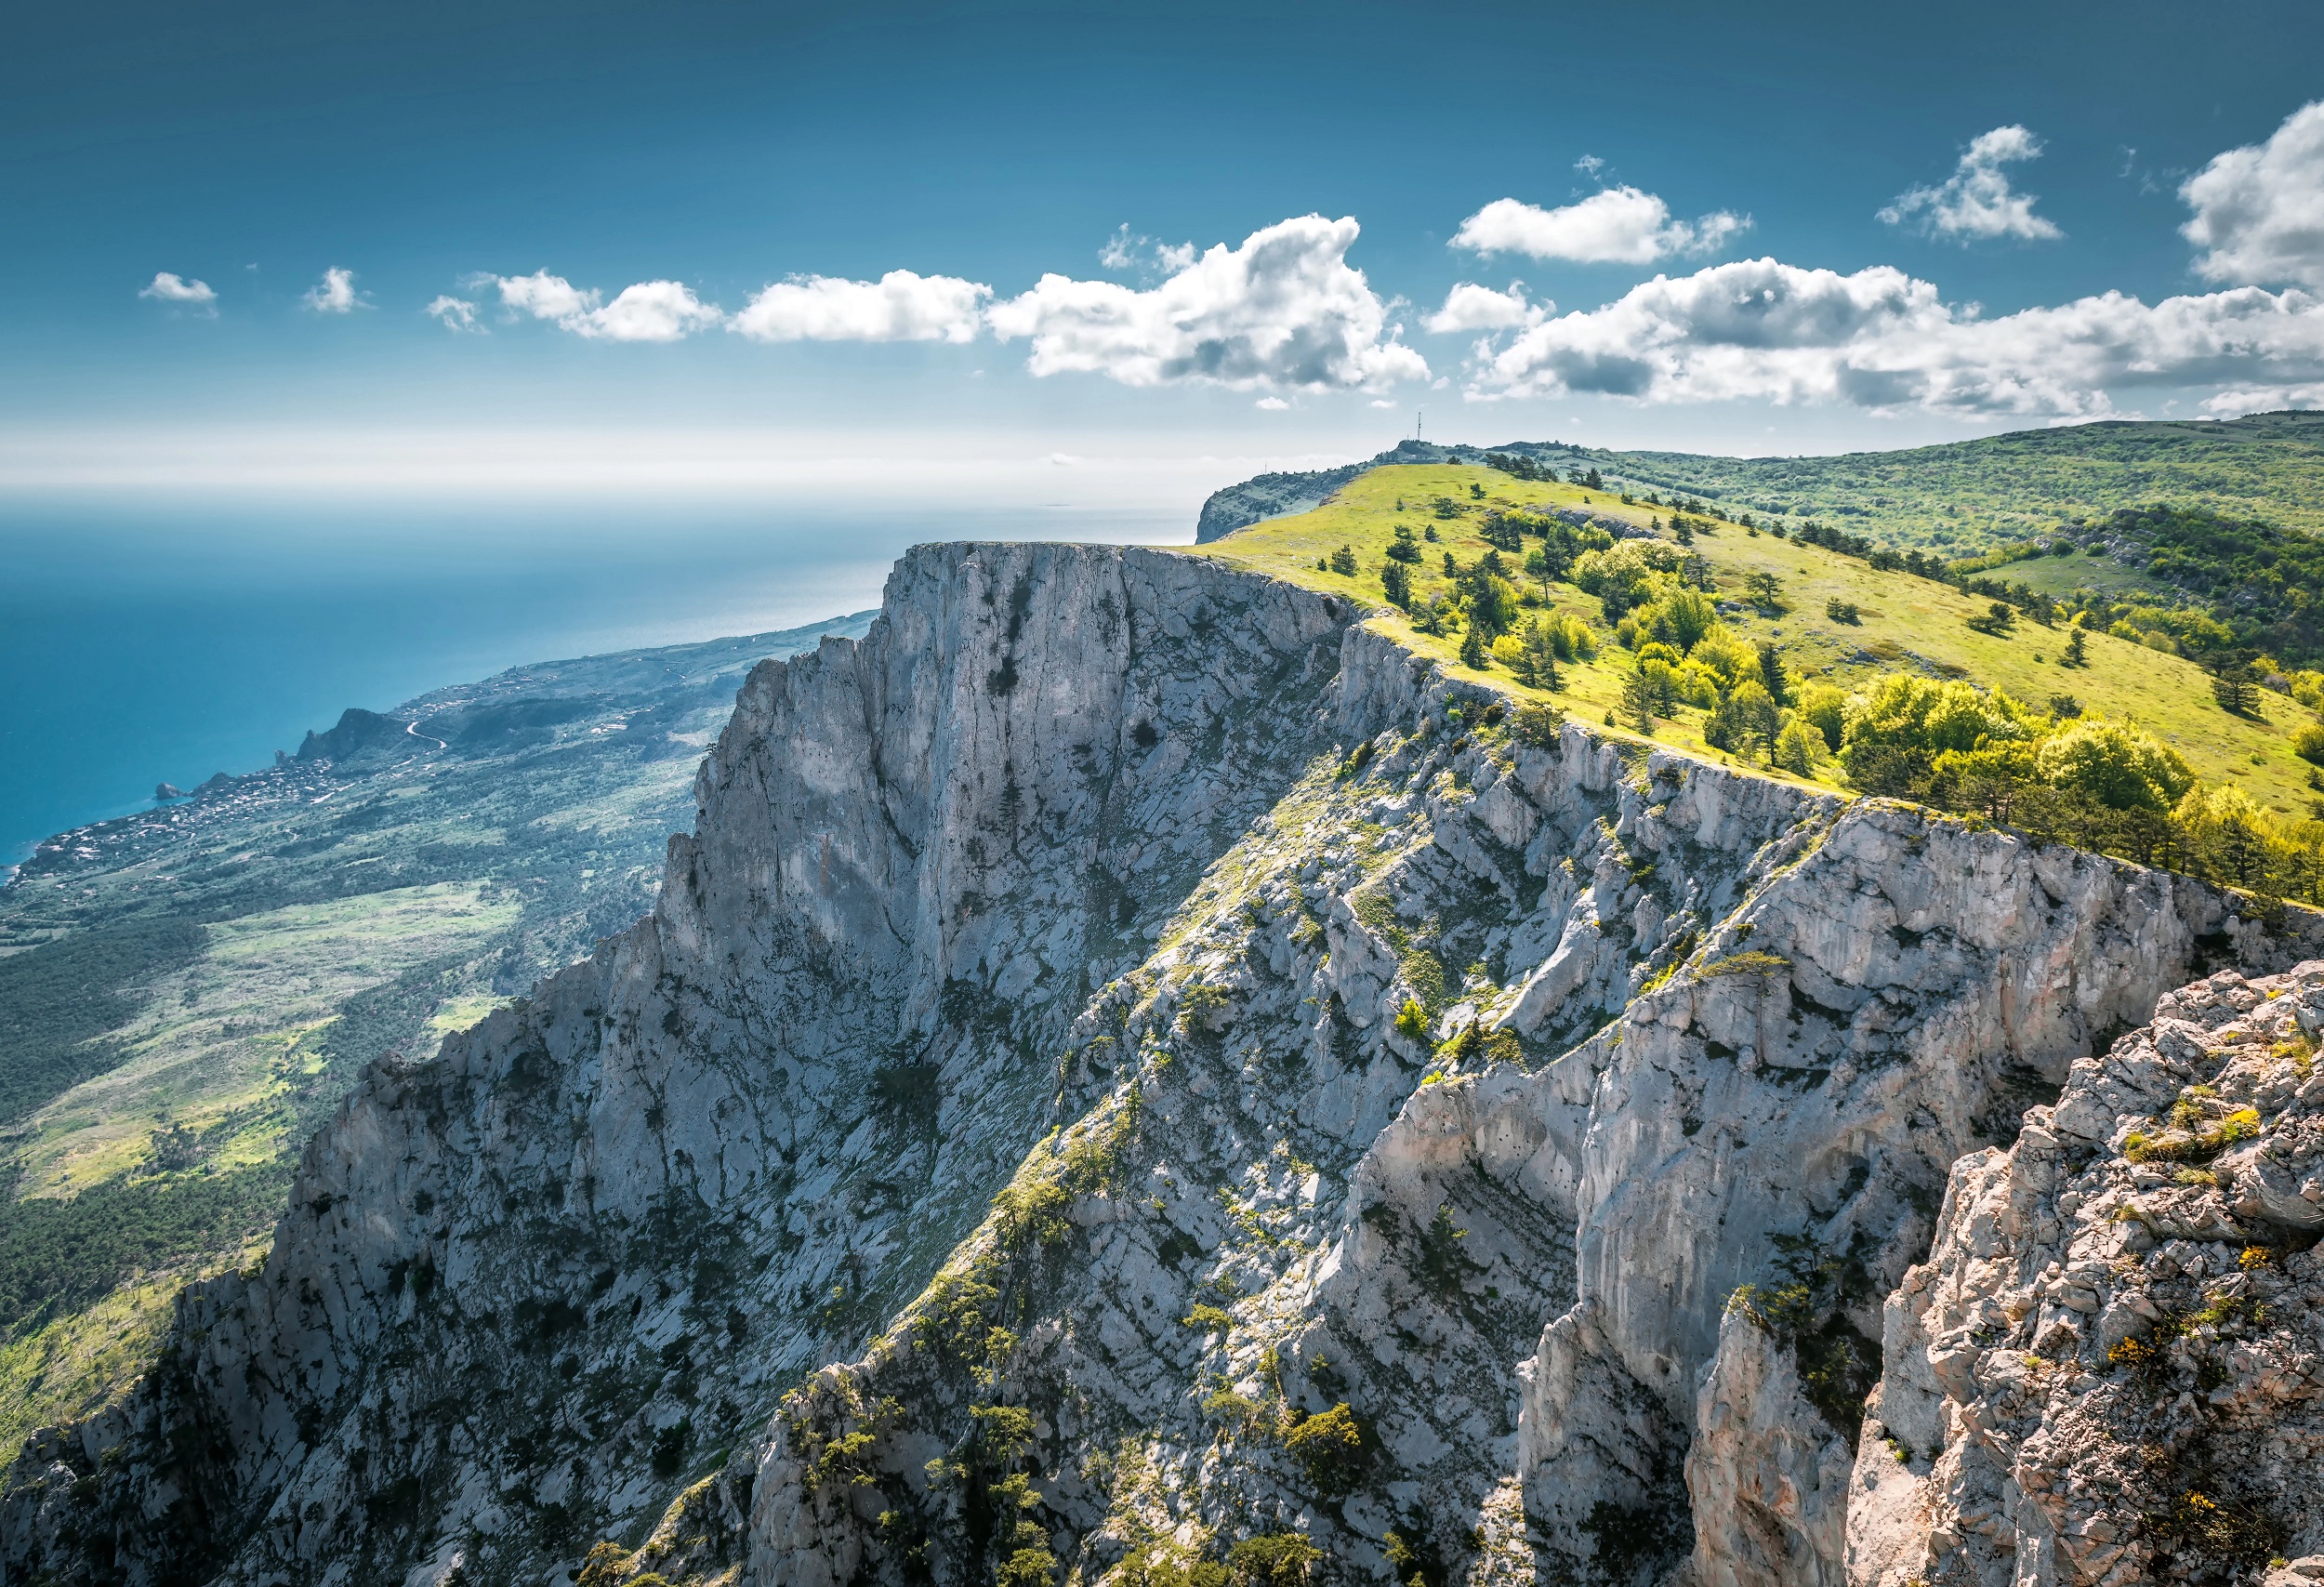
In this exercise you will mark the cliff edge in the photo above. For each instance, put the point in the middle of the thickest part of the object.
(1134, 1075)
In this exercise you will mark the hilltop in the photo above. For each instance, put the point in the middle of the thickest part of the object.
(1956, 499)
(1900, 622)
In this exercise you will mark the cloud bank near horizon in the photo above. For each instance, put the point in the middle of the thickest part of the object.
(1282, 310)
(1285, 311)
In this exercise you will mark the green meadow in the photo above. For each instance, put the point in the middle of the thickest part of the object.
(1905, 622)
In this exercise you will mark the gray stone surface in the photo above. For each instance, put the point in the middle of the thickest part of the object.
(2109, 1369)
(1109, 1018)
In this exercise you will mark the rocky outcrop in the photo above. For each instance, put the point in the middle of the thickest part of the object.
(359, 736)
(1132, 1065)
(526, 1290)
(2111, 1368)
(1813, 1010)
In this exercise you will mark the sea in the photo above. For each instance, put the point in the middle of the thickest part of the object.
(152, 640)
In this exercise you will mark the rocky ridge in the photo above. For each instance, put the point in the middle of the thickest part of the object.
(1133, 1066)
(2110, 1369)
(1275, 496)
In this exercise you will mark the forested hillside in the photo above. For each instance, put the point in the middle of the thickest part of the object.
(2048, 687)
(1970, 494)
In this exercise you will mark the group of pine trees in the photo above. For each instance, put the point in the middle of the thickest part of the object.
(2099, 785)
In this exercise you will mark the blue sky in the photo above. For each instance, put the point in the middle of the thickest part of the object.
(522, 165)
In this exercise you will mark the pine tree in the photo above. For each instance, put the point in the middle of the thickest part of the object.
(1770, 673)
(1472, 649)
(1638, 702)
(1396, 580)
(2074, 639)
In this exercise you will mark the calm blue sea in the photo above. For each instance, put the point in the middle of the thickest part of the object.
(150, 641)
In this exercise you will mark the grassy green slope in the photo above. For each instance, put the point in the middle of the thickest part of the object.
(1968, 496)
(1907, 623)
(185, 993)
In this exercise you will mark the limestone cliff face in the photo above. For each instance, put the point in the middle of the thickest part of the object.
(527, 1288)
(1711, 1015)
(2111, 1367)
(1130, 1064)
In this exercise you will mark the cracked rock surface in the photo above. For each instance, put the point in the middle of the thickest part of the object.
(1132, 1063)
(2110, 1369)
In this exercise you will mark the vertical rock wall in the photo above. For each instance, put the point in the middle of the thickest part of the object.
(527, 1289)
(1130, 1066)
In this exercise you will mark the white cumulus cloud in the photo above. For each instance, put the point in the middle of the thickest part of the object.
(647, 311)
(1761, 330)
(1285, 309)
(1618, 226)
(2259, 210)
(541, 295)
(167, 286)
(2235, 405)
(1976, 202)
(650, 311)
(1124, 251)
(900, 306)
(455, 313)
(335, 294)
(1469, 307)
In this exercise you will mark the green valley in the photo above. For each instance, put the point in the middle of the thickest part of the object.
(186, 993)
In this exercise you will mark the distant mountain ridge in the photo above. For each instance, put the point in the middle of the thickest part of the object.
(1964, 496)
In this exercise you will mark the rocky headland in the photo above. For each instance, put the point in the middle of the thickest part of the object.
(1135, 1076)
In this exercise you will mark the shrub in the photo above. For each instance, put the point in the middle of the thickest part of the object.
(2308, 743)
(1330, 1449)
(2223, 1529)
(2120, 766)
(1412, 1021)
(1628, 567)
(1208, 1318)
(1921, 718)
(1824, 709)
(1728, 658)
(1752, 962)
(2193, 1145)
(1239, 1411)
(1806, 1308)
(1570, 637)
(1797, 746)
(1273, 1559)
(1536, 724)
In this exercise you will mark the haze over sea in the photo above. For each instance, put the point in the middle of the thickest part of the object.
(149, 639)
